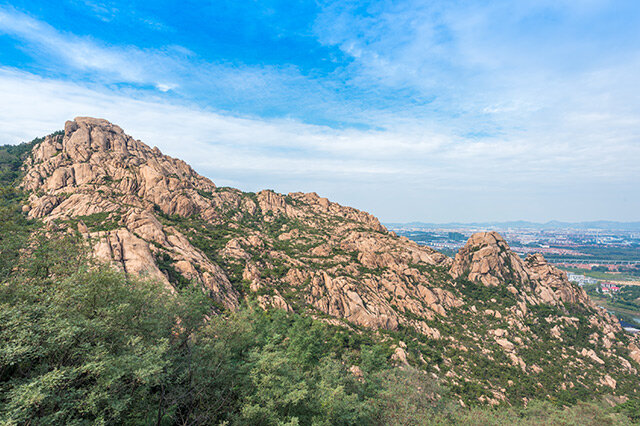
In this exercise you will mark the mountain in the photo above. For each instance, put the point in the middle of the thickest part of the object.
(492, 327)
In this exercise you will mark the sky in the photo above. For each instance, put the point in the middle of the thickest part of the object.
(434, 111)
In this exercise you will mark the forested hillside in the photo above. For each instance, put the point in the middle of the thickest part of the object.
(82, 343)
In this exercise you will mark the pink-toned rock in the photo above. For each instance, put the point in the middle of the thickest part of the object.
(400, 356)
(607, 380)
(128, 252)
(487, 258)
(634, 352)
(590, 353)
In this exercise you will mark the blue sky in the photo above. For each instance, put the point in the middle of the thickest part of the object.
(412, 110)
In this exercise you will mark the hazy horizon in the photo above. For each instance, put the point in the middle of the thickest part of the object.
(440, 112)
(514, 221)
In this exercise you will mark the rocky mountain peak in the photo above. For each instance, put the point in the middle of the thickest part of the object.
(85, 134)
(486, 257)
(490, 238)
(91, 122)
(150, 214)
(94, 155)
(94, 170)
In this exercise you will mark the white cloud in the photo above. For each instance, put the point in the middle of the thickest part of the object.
(353, 166)
(169, 68)
(124, 64)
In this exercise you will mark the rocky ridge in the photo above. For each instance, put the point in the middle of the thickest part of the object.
(153, 215)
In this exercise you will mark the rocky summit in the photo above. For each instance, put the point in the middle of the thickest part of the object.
(488, 324)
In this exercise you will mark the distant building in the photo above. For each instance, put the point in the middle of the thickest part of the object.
(609, 288)
(581, 279)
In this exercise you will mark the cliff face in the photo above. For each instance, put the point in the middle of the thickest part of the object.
(487, 258)
(150, 214)
(96, 171)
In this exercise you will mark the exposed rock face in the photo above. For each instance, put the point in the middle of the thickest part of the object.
(487, 258)
(127, 251)
(551, 285)
(152, 215)
(95, 168)
(95, 155)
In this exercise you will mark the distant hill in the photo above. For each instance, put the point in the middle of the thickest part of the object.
(523, 224)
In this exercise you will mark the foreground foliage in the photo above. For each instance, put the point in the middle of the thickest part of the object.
(83, 344)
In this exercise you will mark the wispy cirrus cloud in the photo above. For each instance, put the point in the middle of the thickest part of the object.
(172, 68)
(108, 64)
(535, 77)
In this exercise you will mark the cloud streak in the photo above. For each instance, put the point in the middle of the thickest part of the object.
(123, 64)
(266, 90)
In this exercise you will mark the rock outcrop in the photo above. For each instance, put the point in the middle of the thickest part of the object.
(96, 169)
(487, 258)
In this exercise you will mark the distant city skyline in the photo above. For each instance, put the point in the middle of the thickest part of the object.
(413, 111)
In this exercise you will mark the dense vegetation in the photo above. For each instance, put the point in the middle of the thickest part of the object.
(86, 344)
(625, 304)
(11, 159)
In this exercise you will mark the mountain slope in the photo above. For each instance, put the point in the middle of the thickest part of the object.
(492, 326)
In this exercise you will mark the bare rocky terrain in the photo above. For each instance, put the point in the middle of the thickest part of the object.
(487, 323)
